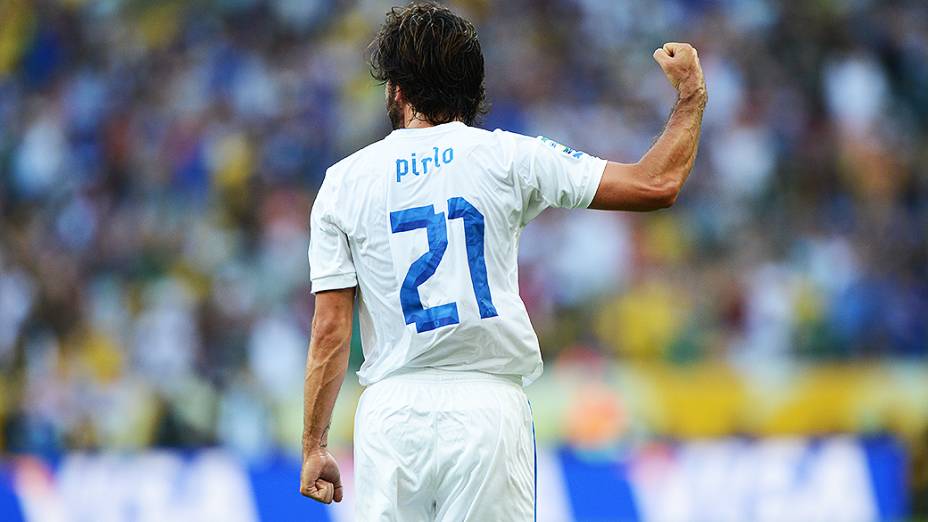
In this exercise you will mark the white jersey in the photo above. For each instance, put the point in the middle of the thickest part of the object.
(426, 224)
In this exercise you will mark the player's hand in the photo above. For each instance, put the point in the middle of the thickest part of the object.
(680, 64)
(320, 479)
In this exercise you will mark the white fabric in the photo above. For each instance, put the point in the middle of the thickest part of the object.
(444, 446)
(508, 178)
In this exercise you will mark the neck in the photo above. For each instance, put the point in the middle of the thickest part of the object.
(414, 120)
(415, 123)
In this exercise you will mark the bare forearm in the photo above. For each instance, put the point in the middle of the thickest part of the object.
(325, 371)
(671, 158)
(326, 364)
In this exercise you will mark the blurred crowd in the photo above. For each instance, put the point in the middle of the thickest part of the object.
(158, 161)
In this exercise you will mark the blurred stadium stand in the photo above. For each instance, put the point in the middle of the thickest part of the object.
(158, 161)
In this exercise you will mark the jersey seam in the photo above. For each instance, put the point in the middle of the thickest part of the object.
(532, 170)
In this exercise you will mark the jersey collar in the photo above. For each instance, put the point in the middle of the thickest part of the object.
(428, 131)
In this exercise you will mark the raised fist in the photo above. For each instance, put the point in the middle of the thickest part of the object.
(680, 64)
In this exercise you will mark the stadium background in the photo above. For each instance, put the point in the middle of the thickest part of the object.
(758, 352)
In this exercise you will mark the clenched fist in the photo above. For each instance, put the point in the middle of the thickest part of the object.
(680, 64)
(320, 479)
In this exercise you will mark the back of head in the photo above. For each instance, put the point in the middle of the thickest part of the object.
(434, 57)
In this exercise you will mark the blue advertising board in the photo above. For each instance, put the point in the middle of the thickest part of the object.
(837, 479)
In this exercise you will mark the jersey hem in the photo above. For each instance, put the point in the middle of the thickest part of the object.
(334, 282)
(594, 182)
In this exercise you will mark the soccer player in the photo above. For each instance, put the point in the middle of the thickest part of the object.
(423, 227)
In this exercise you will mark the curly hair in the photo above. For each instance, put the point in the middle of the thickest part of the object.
(434, 57)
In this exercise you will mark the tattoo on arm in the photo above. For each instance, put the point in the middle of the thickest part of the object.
(324, 440)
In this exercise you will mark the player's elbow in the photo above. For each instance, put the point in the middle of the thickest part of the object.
(637, 187)
(331, 330)
(332, 318)
(329, 344)
(663, 194)
(658, 188)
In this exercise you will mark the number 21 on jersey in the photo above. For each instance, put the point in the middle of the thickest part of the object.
(422, 269)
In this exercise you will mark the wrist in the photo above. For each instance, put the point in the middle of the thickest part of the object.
(313, 450)
(314, 445)
(695, 94)
(315, 442)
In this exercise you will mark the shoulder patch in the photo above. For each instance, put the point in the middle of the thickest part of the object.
(564, 149)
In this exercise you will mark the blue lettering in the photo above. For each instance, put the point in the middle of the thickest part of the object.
(402, 168)
(421, 165)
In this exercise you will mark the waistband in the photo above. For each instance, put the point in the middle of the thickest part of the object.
(438, 375)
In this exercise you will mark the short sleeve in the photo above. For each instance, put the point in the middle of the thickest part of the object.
(330, 263)
(554, 175)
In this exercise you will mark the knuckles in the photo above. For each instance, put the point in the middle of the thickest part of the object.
(681, 49)
(315, 495)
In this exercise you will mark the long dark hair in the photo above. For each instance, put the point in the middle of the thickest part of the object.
(434, 57)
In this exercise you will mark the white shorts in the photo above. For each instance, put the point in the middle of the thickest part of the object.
(434, 445)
